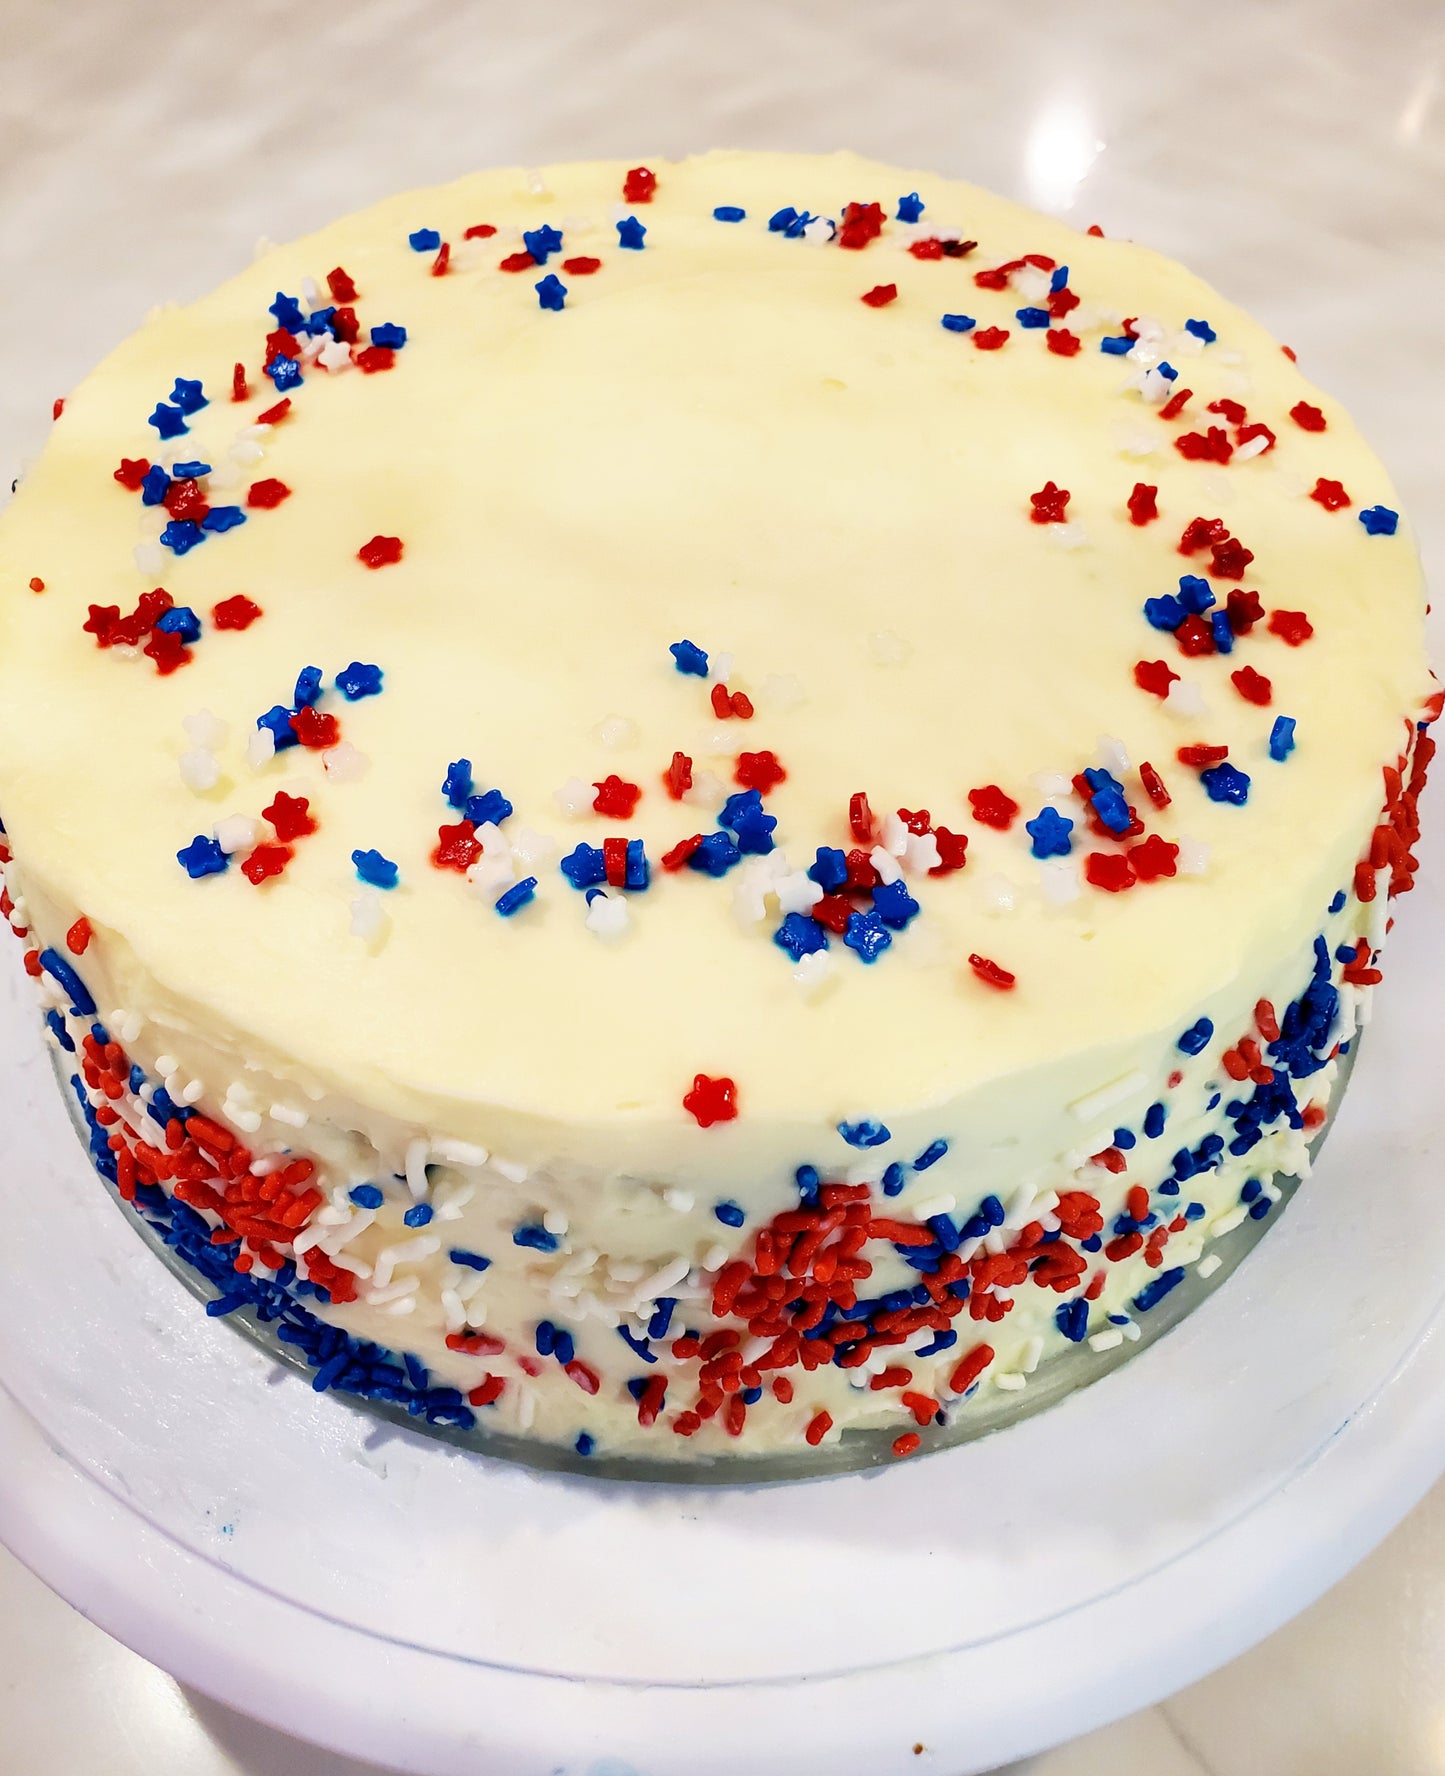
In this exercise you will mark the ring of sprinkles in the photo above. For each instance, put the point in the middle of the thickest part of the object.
(728, 807)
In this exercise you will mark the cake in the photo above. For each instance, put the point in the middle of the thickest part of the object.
(682, 811)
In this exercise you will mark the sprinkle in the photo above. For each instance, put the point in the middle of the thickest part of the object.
(729, 1214)
(374, 869)
(880, 295)
(425, 240)
(274, 415)
(756, 770)
(865, 1134)
(867, 936)
(728, 213)
(551, 292)
(1048, 504)
(535, 1236)
(991, 807)
(1292, 627)
(516, 897)
(1377, 520)
(1201, 330)
(800, 936)
(1142, 504)
(907, 1443)
(60, 971)
(266, 495)
(1049, 831)
(265, 862)
(1253, 686)
(381, 551)
(1154, 676)
(991, 974)
(1281, 738)
(957, 323)
(1330, 494)
(1032, 317)
(711, 1100)
(1150, 859)
(202, 857)
(357, 680)
(374, 359)
(517, 262)
(291, 816)
(581, 266)
(1196, 1038)
(181, 536)
(180, 620)
(1225, 783)
(315, 731)
(639, 185)
(457, 847)
(688, 657)
(1307, 418)
(630, 233)
(615, 798)
(991, 338)
(1116, 345)
(1109, 871)
(77, 939)
(188, 395)
(366, 1196)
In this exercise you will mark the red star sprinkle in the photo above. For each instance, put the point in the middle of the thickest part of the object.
(1155, 677)
(1049, 503)
(132, 471)
(582, 266)
(1331, 495)
(680, 852)
(1202, 533)
(639, 185)
(726, 704)
(880, 295)
(235, 613)
(36, 583)
(833, 912)
(1143, 504)
(442, 261)
(1208, 446)
(291, 816)
(517, 262)
(1153, 857)
(861, 872)
(1061, 302)
(1247, 434)
(860, 818)
(1062, 343)
(274, 415)
(184, 499)
(375, 358)
(917, 820)
(57, 407)
(678, 776)
(1175, 405)
(926, 249)
(341, 286)
(1253, 686)
(991, 974)
(616, 798)
(1110, 871)
(168, 651)
(1232, 411)
(1194, 636)
(1244, 611)
(991, 807)
(315, 731)
(240, 388)
(345, 326)
(952, 851)
(861, 223)
(1307, 418)
(990, 338)
(457, 847)
(614, 862)
(381, 551)
(1200, 756)
(759, 770)
(1154, 786)
(1293, 627)
(1228, 560)
(266, 861)
(711, 1100)
(77, 939)
(267, 494)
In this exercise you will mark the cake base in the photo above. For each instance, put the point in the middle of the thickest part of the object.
(395, 1599)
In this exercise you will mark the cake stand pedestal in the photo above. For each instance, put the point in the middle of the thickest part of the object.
(391, 1598)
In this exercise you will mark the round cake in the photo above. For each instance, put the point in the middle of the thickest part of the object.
(682, 810)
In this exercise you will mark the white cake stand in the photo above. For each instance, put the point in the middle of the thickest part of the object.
(393, 1599)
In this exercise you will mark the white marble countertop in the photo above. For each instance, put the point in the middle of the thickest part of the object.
(1294, 153)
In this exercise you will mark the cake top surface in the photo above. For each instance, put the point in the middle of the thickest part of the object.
(895, 494)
